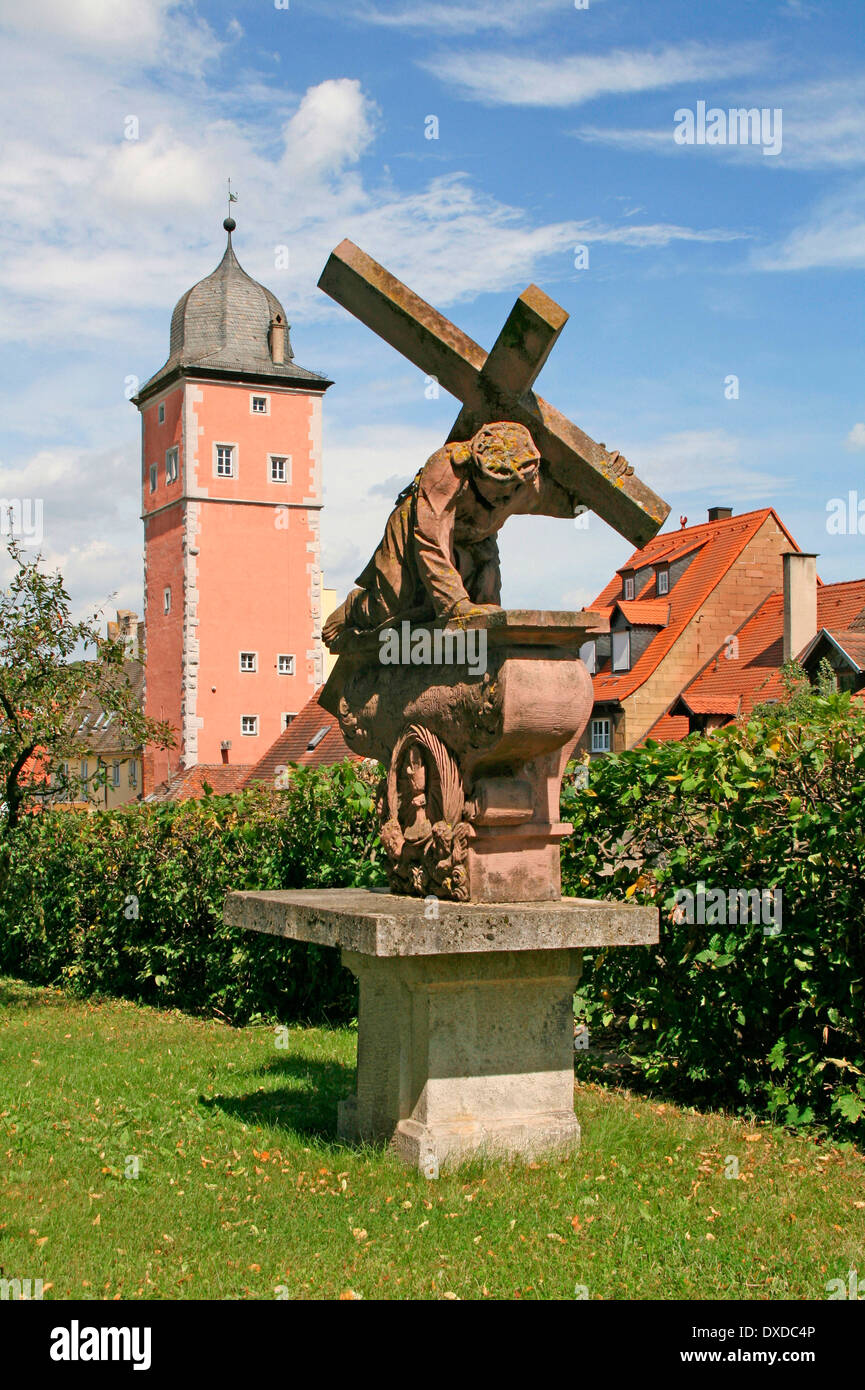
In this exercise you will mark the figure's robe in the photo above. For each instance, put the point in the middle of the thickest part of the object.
(439, 546)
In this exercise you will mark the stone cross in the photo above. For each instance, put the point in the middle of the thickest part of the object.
(497, 385)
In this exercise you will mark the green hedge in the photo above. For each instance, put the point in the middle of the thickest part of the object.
(728, 1013)
(130, 902)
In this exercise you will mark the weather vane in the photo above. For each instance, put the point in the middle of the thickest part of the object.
(232, 198)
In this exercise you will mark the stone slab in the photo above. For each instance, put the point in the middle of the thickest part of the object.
(388, 925)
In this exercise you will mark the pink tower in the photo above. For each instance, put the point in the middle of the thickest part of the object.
(231, 489)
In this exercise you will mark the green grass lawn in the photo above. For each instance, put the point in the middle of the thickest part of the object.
(244, 1192)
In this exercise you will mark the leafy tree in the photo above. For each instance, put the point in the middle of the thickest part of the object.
(43, 683)
(799, 695)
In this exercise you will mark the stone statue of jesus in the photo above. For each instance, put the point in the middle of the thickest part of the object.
(439, 557)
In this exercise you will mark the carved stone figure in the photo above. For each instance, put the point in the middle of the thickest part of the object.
(439, 557)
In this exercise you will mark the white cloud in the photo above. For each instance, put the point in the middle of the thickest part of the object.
(856, 437)
(332, 127)
(515, 79)
(508, 16)
(823, 127)
(103, 30)
(831, 238)
(706, 462)
(92, 534)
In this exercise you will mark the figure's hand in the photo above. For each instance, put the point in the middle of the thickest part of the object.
(334, 625)
(466, 609)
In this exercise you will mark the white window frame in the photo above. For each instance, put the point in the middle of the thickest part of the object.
(622, 662)
(249, 733)
(601, 735)
(288, 670)
(663, 581)
(628, 588)
(589, 657)
(282, 458)
(247, 669)
(160, 413)
(258, 396)
(288, 718)
(154, 476)
(225, 444)
(172, 464)
(166, 602)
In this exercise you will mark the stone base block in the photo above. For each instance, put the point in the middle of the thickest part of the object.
(465, 1021)
(463, 1054)
(432, 1147)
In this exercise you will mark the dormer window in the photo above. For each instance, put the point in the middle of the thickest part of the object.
(587, 656)
(622, 649)
(629, 586)
(663, 581)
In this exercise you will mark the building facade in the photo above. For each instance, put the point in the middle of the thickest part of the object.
(673, 605)
(231, 499)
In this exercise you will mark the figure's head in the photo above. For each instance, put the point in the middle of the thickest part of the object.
(504, 456)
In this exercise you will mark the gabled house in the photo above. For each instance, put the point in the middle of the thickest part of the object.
(805, 620)
(670, 608)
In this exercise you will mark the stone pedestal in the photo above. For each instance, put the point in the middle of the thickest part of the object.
(465, 1027)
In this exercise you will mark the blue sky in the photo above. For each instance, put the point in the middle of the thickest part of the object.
(555, 130)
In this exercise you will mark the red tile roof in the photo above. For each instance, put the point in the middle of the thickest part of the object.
(645, 612)
(190, 783)
(669, 728)
(733, 685)
(292, 746)
(717, 546)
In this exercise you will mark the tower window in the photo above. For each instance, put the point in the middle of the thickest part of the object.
(249, 725)
(280, 468)
(172, 464)
(224, 460)
(285, 665)
(249, 661)
(161, 414)
(259, 405)
(663, 581)
(600, 735)
(166, 601)
(153, 477)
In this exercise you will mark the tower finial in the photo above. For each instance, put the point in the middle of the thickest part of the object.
(229, 224)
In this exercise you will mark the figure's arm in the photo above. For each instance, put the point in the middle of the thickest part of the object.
(434, 533)
(548, 498)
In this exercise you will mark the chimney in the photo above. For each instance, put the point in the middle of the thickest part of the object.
(800, 601)
(277, 338)
(720, 513)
